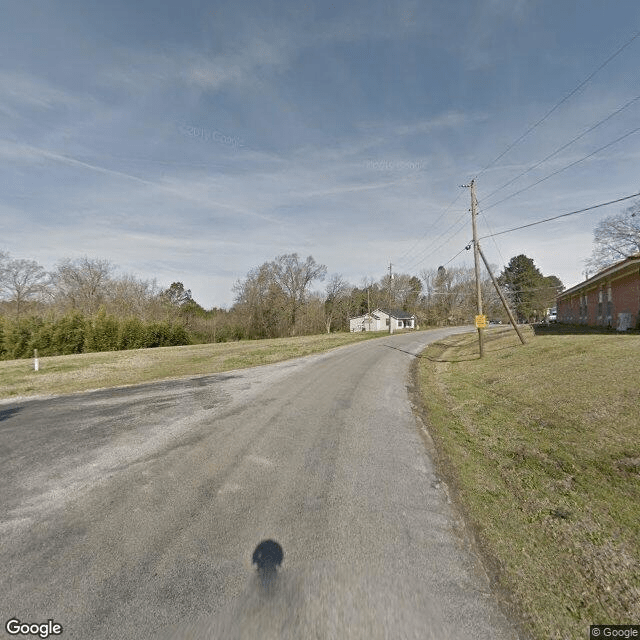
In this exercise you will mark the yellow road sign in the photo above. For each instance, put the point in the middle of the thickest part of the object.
(481, 322)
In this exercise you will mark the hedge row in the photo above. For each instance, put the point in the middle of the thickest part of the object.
(75, 333)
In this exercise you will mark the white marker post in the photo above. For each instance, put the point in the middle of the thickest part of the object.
(35, 355)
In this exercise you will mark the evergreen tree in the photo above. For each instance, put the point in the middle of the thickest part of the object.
(102, 333)
(531, 293)
(17, 339)
(41, 336)
(131, 334)
(69, 334)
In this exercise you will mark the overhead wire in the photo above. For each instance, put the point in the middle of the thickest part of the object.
(555, 173)
(454, 257)
(401, 258)
(558, 104)
(519, 139)
(562, 215)
(419, 261)
(564, 146)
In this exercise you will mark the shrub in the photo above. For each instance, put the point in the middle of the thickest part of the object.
(131, 334)
(41, 336)
(102, 333)
(17, 339)
(69, 334)
(179, 335)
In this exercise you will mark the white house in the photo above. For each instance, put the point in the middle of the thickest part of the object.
(379, 319)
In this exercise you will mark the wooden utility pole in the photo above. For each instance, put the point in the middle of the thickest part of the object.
(389, 309)
(476, 258)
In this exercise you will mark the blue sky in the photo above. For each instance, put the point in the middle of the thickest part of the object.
(195, 140)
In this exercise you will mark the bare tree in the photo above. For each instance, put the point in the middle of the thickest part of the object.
(615, 238)
(336, 302)
(4, 260)
(442, 291)
(406, 291)
(260, 303)
(129, 296)
(21, 281)
(82, 284)
(294, 277)
(450, 295)
(270, 297)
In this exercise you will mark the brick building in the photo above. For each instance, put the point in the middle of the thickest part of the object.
(610, 298)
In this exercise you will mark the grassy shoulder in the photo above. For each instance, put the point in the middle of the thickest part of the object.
(81, 372)
(541, 445)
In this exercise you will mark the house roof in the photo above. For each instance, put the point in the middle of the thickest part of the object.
(364, 316)
(614, 269)
(398, 314)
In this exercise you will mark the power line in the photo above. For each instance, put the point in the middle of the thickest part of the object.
(401, 258)
(457, 254)
(519, 139)
(558, 104)
(563, 147)
(529, 289)
(453, 235)
(555, 173)
(563, 215)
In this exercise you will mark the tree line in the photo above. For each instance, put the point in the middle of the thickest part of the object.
(83, 305)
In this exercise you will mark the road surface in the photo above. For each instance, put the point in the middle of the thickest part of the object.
(133, 512)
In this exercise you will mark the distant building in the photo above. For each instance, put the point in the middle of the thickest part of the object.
(610, 298)
(379, 319)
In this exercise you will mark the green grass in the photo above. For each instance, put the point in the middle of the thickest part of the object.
(68, 374)
(541, 444)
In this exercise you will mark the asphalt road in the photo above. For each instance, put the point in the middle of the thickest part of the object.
(133, 512)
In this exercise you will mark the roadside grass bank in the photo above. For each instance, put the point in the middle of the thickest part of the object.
(541, 446)
(81, 372)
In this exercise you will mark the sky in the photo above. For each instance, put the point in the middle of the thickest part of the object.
(193, 141)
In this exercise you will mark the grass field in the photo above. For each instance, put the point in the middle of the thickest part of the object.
(541, 445)
(67, 374)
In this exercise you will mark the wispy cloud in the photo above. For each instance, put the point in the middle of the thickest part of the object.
(196, 143)
(20, 89)
(240, 68)
(29, 153)
(448, 120)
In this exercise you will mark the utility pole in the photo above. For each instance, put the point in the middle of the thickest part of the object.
(477, 254)
(389, 309)
(476, 259)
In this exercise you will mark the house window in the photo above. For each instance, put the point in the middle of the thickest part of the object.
(400, 324)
